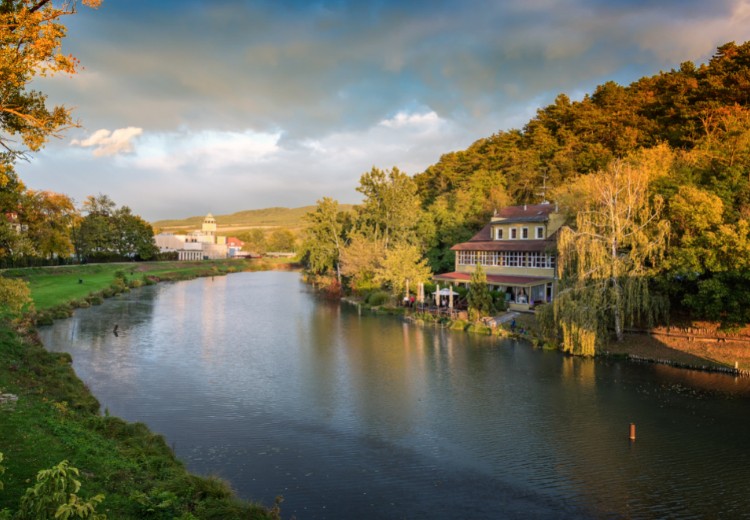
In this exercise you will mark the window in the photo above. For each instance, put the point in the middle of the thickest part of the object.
(540, 232)
(499, 233)
(513, 233)
(467, 258)
(525, 233)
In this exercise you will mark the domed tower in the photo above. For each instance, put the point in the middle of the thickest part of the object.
(209, 225)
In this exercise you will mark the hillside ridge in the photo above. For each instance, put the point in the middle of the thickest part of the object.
(275, 216)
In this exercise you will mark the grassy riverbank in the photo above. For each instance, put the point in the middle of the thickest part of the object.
(56, 418)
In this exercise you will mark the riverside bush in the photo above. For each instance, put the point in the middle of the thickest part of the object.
(459, 325)
(95, 299)
(377, 298)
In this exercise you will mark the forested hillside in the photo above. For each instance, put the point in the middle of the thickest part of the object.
(692, 124)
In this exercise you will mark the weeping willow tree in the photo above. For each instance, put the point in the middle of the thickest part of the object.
(605, 262)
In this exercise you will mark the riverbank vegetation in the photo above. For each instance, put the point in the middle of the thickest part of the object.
(134, 469)
(666, 158)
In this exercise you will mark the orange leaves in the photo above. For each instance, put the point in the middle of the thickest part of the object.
(31, 34)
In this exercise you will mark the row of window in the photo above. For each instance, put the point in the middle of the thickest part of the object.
(523, 232)
(507, 259)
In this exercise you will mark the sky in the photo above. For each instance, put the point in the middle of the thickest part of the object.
(188, 107)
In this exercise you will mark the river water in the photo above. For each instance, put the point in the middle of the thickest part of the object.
(253, 378)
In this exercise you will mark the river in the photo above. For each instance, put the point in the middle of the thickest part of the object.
(253, 378)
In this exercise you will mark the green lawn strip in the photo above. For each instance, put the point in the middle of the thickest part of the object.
(62, 288)
(54, 286)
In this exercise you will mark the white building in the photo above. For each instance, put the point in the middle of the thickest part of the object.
(196, 245)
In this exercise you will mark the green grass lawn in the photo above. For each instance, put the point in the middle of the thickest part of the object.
(55, 286)
(52, 286)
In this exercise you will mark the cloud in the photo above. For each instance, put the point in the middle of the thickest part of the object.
(192, 172)
(312, 68)
(207, 150)
(105, 142)
(229, 105)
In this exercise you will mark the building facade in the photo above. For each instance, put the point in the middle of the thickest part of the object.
(517, 250)
(196, 245)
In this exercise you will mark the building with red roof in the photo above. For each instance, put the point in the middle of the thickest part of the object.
(517, 250)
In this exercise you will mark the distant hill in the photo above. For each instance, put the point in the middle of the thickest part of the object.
(290, 218)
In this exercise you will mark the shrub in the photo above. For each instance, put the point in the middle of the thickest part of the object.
(95, 299)
(62, 313)
(44, 318)
(459, 325)
(55, 496)
(377, 298)
(15, 297)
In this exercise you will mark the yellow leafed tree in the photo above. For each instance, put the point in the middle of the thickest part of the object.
(605, 261)
(31, 32)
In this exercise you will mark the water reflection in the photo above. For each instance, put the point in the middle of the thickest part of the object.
(361, 416)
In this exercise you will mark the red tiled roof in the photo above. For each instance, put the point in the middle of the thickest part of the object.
(506, 245)
(500, 279)
(529, 212)
(485, 235)
(483, 241)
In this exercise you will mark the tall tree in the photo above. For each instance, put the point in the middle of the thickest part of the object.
(49, 218)
(360, 259)
(133, 237)
(321, 249)
(401, 263)
(391, 207)
(604, 262)
(31, 33)
(108, 232)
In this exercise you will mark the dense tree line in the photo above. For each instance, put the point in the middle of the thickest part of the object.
(688, 129)
(46, 228)
(378, 245)
(110, 233)
(695, 120)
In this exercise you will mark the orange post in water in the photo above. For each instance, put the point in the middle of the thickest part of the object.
(632, 431)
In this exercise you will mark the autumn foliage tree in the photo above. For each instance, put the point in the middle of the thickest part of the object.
(605, 262)
(31, 33)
